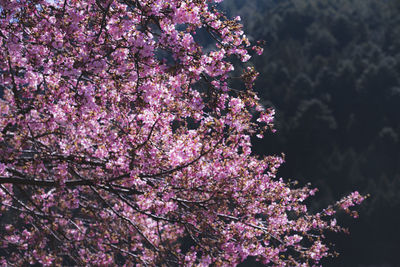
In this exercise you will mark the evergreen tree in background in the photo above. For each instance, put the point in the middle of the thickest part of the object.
(331, 69)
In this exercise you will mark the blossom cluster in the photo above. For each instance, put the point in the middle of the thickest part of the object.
(123, 141)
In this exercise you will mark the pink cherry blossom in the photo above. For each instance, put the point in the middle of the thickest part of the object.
(123, 143)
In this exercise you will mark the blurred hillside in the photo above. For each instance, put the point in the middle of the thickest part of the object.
(331, 68)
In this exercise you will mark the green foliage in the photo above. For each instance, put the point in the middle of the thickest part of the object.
(331, 69)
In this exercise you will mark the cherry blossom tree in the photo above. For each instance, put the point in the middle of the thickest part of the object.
(123, 141)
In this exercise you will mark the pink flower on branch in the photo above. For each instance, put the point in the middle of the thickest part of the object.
(122, 142)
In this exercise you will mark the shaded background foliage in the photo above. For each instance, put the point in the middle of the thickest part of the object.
(331, 70)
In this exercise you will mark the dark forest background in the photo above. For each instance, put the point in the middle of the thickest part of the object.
(331, 69)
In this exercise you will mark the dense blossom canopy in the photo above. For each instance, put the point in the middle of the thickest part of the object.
(122, 141)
